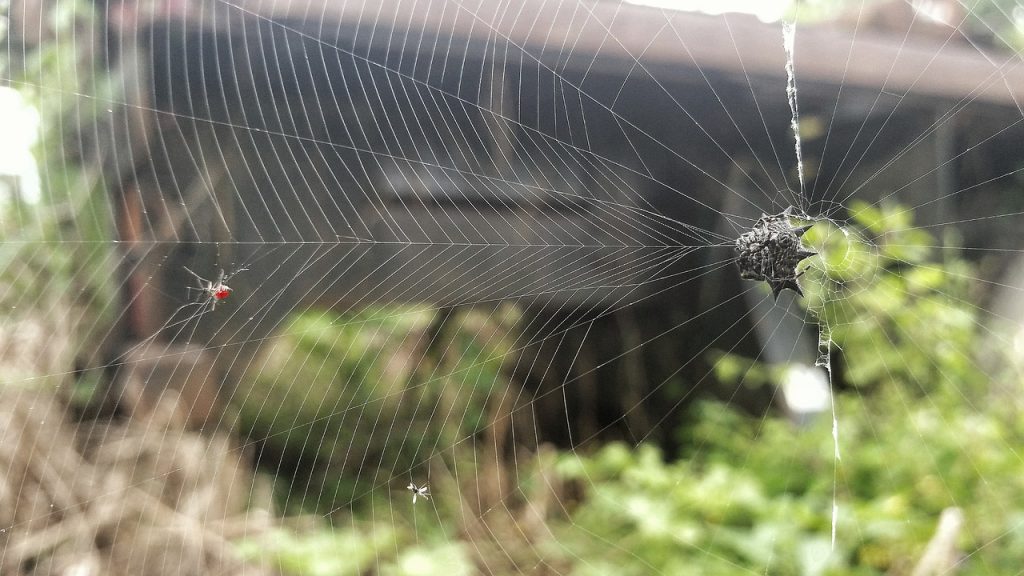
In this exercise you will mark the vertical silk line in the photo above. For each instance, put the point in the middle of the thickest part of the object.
(824, 335)
(825, 361)
(788, 37)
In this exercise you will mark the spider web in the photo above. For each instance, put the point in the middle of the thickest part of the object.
(470, 245)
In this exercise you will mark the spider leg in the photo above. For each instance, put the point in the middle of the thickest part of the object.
(187, 269)
(191, 288)
(203, 282)
(226, 277)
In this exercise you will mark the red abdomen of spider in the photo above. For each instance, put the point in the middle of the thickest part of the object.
(221, 293)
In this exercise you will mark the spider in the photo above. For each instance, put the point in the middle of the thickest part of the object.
(771, 252)
(418, 491)
(215, 291)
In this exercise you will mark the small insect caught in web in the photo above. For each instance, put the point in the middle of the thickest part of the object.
(771, 251)
(213, 292)
(418, 491)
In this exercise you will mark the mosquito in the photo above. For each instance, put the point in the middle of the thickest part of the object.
(214, 291)
(418, 491)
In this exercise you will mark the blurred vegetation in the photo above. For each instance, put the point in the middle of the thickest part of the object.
(356, 550)
(324, 392)
(993, 22)
(57, 257)
(920, 431)
(899, 309)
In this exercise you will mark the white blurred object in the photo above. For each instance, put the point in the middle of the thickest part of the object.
(805, 391)
(765, 10)
(941, 555)
(21, 131)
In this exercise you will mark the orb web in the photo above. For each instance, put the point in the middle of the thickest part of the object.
(469, 297)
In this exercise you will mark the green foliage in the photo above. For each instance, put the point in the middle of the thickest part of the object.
(995, 22)
(355, 550)
(896, 313)
(329, 390)
(920, 431)
(320, 552)
(999, 19)
(56, 262)
(757, 493)
(450, 559)
(688, 517)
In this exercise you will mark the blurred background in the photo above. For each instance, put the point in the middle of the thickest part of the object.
(488, 248)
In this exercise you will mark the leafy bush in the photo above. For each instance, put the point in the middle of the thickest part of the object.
(919, 431)
(896, 313)
(355, 550)
(758, 493)
(336, 393)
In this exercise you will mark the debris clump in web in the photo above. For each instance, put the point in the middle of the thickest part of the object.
(771, 251)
